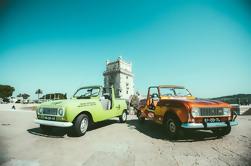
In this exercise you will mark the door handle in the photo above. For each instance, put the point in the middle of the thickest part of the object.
(118, 107)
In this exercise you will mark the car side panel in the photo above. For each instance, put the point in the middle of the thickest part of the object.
(95, 108)
(165, 107)
(173, 106)
(78, 106)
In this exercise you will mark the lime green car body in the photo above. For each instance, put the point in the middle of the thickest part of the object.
(72, 108)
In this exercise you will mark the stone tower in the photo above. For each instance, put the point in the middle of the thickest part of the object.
(119, 74)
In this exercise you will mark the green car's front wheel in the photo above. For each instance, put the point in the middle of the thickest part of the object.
(81, 125)
(123, 117)
(46, 129)
(172, 126)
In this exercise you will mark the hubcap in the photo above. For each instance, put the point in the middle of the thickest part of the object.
(84, 125)
(124, 116)
(172, 127)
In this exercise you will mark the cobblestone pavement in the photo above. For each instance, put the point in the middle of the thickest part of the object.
(112, 143)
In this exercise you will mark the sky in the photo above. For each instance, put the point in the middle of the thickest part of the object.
(59, 46)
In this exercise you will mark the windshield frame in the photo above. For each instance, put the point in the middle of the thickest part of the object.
(174, 92)
(90, 96)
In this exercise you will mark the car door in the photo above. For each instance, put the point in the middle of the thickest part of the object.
(106, 106)
(152, 101)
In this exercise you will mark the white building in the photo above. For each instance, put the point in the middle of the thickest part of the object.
(119, 74)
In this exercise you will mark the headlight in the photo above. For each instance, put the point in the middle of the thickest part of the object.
(195, 111)
(40, 111)
(227, 111)
(60, 111)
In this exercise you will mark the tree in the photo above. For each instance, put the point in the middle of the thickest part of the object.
(134, 102)
(38, 92)
(6, 91)
(25, 96)
(19, 95)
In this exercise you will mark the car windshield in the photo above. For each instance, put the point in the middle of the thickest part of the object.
(182, 92)
(85, 93)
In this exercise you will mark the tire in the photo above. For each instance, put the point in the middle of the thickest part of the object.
(172, 126)
(81, 125)
(141, 119)
(123, 117)
(46, 129)
(220, 132)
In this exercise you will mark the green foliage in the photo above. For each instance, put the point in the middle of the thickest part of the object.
(242, 99)
(39, 91)
(24, 95)
(6, 91)
(134, 101)
(19, 95)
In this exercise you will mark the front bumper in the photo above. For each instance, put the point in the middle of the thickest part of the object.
(208, 125)
(53, 123)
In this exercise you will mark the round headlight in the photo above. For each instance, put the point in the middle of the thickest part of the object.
(195, 111)
(61, 112)
(40, 110)
(227, 111)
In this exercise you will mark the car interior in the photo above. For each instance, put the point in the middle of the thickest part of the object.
(106, 100)
(153, 98)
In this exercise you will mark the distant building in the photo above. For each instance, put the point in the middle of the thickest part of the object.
(54, 96)
(119, 74)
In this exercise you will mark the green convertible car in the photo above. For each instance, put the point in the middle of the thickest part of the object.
(89, 105)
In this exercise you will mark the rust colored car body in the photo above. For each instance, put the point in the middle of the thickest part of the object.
(176, 108)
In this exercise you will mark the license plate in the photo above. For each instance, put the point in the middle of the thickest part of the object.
(49, 118)
(211, 120)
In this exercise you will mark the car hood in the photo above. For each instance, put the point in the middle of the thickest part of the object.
(63, 103)
(201, 102)
(205, 103)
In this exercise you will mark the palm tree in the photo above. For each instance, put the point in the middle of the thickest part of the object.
(38, 92)
(19, 95)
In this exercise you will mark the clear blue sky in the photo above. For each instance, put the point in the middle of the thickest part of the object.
(59, 46)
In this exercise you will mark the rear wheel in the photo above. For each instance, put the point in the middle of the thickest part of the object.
(141, 119)
(220, 132)
(46, 129)
(81, 125)
(172, 126)
(123, 117)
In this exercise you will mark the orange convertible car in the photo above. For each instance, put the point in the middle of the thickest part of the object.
(176, 109)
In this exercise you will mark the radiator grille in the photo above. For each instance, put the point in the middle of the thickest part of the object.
(211, 112)
(50, 111)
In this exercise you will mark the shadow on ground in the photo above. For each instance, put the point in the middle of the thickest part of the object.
(154, 130)
(58, 132)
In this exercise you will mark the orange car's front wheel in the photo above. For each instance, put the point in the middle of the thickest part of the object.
(220, 132)
(172, 126)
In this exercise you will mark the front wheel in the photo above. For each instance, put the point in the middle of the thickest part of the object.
(141, 119)
(123, 117)
(81, 125)
(46, 129)
(172, 126)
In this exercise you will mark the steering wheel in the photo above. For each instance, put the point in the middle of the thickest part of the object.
(86, 94)
(168, 94)
(95, 94)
